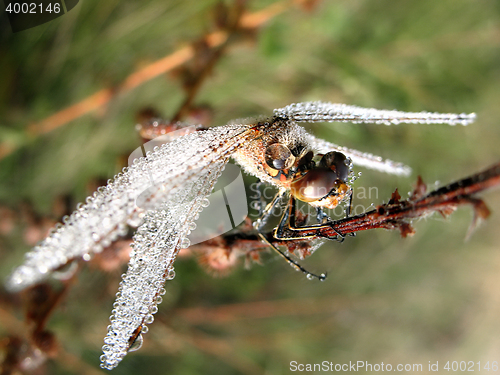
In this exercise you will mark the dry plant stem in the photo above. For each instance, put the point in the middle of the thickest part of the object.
(51, 299)
(137, 78)
(193, 89)
(41, 302)
(397, 214)
(216, 53)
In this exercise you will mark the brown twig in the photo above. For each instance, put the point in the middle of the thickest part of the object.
(397, 213)
(207, 56)
(137, 78)
(219, 255)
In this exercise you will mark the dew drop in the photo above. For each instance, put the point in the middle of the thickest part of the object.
(97, 248)
(185, 243)
(137, 344)
(170, 274)
(65, 272)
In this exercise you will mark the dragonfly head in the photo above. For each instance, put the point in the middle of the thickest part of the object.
(320, 180)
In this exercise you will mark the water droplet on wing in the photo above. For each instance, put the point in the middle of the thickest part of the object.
(65, 272)
(137, 344)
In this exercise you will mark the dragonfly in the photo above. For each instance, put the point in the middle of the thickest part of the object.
(276, 150)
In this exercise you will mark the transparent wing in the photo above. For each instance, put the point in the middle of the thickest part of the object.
(142, 186)
(360, 158)
(156, 244)
(329, 112)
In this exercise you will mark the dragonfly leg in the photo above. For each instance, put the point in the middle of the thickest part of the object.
(261, 222)
(293, 263)
(348, 212)
(288, 230)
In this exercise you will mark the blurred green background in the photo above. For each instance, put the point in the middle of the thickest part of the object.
(432, 297)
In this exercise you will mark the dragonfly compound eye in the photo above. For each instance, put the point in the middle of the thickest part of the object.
(279, 157)
(337, 162)
(316, 184)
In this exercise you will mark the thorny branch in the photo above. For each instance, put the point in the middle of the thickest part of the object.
(219, 255)
(397, 213)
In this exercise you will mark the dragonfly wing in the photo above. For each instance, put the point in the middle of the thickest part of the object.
(156, 244)
(329, 112)
(148, 182)
(360, 158)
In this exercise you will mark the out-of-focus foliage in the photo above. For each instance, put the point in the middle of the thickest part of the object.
(432, 297)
